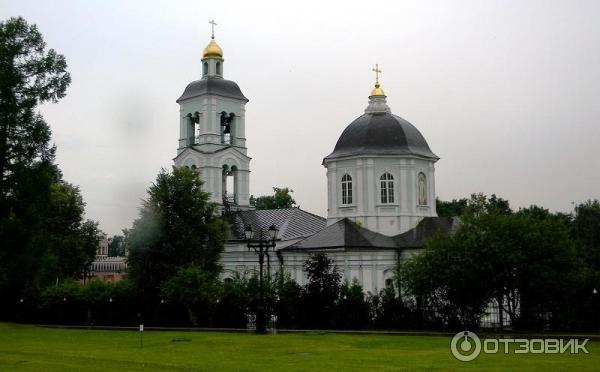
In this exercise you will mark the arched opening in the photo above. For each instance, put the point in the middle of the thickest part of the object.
(233, 183)
(346, 189)
(197, 129)
(386, 182)
(229, 185)
(227, 128)
(189, 130)
(219, 72)
(205, 69)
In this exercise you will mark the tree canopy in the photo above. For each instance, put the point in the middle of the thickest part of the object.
(42, 229)
(177, 228)
(280, 199)
(525, 261)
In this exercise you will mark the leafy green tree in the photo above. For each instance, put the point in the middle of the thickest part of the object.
(322, 291)
(70, 242)
(288, 305)
(29, 75)
(177, 228)
(586, 231)
(389, 311)
(197, 290)
(453, 208)
(586, 226)
(525, 261)
(352, 307)
(281, 199)
(116, 248)
(233, 306)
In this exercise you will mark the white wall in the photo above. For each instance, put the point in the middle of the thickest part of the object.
(388, 219)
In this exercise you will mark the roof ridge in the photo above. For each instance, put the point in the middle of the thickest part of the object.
(312, 214)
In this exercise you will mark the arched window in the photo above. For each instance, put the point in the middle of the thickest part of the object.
(422, 189)
(346, 189)
(219, 68)
(205, 68)
(227, 130)
(387, 188)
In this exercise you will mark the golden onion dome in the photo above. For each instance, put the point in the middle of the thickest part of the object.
(377, 91)
(212, 50)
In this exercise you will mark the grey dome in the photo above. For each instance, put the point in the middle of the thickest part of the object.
(381, 134)
(217, 86)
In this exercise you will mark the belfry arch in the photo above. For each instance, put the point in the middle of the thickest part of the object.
(229, 184)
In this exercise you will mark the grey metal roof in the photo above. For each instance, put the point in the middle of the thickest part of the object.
(381, 134)
(426, 229)
(344, 233)
(347, 234)
(212, 85)
(293, 223)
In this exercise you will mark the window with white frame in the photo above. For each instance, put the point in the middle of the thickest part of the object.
(346, 189)
(387, 188)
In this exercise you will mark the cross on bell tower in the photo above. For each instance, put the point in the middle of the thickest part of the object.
(212, 24)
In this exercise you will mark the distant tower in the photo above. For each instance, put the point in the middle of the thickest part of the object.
(381, 173)
(212, 132)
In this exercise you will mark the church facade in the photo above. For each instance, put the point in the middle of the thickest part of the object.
(380, 185)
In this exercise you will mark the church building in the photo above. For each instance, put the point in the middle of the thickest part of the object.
(380, 185)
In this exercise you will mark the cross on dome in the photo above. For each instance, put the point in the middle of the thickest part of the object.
(377, 71)
(212, 25)
(377, 91)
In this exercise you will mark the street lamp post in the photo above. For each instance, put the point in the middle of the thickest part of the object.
(261, 245)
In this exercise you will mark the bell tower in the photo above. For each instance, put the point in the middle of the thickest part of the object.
(212, 132)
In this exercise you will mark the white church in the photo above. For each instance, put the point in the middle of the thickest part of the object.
(380, 185)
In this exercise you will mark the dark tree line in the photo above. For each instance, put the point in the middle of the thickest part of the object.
(539, 268)
(44, 237)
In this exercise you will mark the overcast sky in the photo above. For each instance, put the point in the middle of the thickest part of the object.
(507, 93)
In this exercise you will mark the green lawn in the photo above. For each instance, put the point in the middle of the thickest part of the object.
(27, 348)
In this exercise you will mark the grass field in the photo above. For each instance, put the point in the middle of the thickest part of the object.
(28, 348)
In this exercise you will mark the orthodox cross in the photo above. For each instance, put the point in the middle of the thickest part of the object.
(377, 71)
(212, 25)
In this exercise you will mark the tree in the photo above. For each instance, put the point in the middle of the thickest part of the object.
(586, 231)
(177, 228)
(196, 289)
(524, 261)
(352, 308)
(288, 306)
(232, 307)
(322, 291)
(116, 248)
(29, 75)
(453, 208)
(281, 199)
(586, 228)
(70, 242)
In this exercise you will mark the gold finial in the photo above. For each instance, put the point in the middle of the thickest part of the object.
(212, 50)
(377, 91)
(212, 26)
